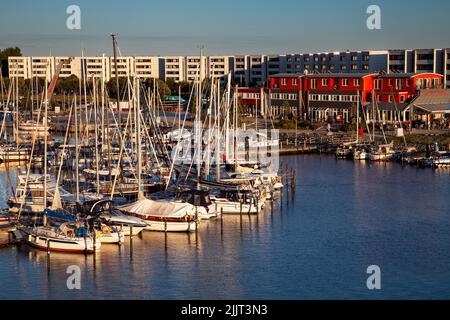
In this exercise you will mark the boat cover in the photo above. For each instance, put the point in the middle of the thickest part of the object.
(147, 207)
(59, 215)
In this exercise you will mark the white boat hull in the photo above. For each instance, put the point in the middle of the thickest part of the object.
(441, 163)
(128, 231)
(112, 238)
(66, 245)
(228, 207)
(380, 157)
(163, 226)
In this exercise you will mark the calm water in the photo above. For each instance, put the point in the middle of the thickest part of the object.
(345, 216)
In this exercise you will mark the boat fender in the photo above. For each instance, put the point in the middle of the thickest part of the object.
(105, 230)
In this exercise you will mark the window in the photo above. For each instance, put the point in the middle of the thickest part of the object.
(390, 82)
(344, 82)
(398, 84)
(294, 82)
(390, 98)
(408, 83)
(324, 82)
(356, 82)
(402, 99)
(435, 83)
(354, 58)
(313, 84)
(377, 84)
(283, 82)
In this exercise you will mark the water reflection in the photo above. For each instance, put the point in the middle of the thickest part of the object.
(316, 243)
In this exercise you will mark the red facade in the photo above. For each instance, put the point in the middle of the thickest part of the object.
(400, 88)
(339, 91)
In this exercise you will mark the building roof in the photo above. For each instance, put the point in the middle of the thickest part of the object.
(433, 100)
(331, 104)
(389, 106)
(287, 75)
(340, 75)
(406, 75)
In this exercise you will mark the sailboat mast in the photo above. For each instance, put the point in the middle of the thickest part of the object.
(97, 158)
(138, 130)
(218, 136)
(357, 118)
(114, 42)
(17, 107)
(45, 146)
(198, 119)
(76, 151)
(235, 125)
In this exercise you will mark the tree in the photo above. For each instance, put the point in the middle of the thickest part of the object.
(4, 54)
(69, 84)
(163, 88)
(112, 87)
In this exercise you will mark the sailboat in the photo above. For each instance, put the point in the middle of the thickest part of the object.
(71, 236)
(59, 232)
(382, 152)
(105, 211)
(6, 219)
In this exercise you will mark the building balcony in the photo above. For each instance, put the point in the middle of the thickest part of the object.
(425, 61)
(396, 62)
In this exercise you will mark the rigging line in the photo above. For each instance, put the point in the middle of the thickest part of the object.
(180, 137)
(398, 115)
(22, 200)
(122, 147)
(64, 146)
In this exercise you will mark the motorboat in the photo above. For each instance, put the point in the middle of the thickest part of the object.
(14, 153)
(441, 159)
(345, 151)
(31, 127)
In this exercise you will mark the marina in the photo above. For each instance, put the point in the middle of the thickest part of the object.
(224, 159)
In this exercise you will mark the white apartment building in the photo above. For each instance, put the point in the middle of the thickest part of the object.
(246, 70)
(193, 69)
(146, 67)
(19, 67)
(95, 67)
(218, 66)
(240, 71)
(174, 68)
(420, 61)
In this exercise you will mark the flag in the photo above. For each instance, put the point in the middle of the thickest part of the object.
(360, 132)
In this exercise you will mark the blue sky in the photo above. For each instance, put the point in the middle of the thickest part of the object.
(155, 27)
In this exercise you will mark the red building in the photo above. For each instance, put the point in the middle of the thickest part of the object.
(401, 87)
(250, 98)
(335, 97)
(286, 95)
